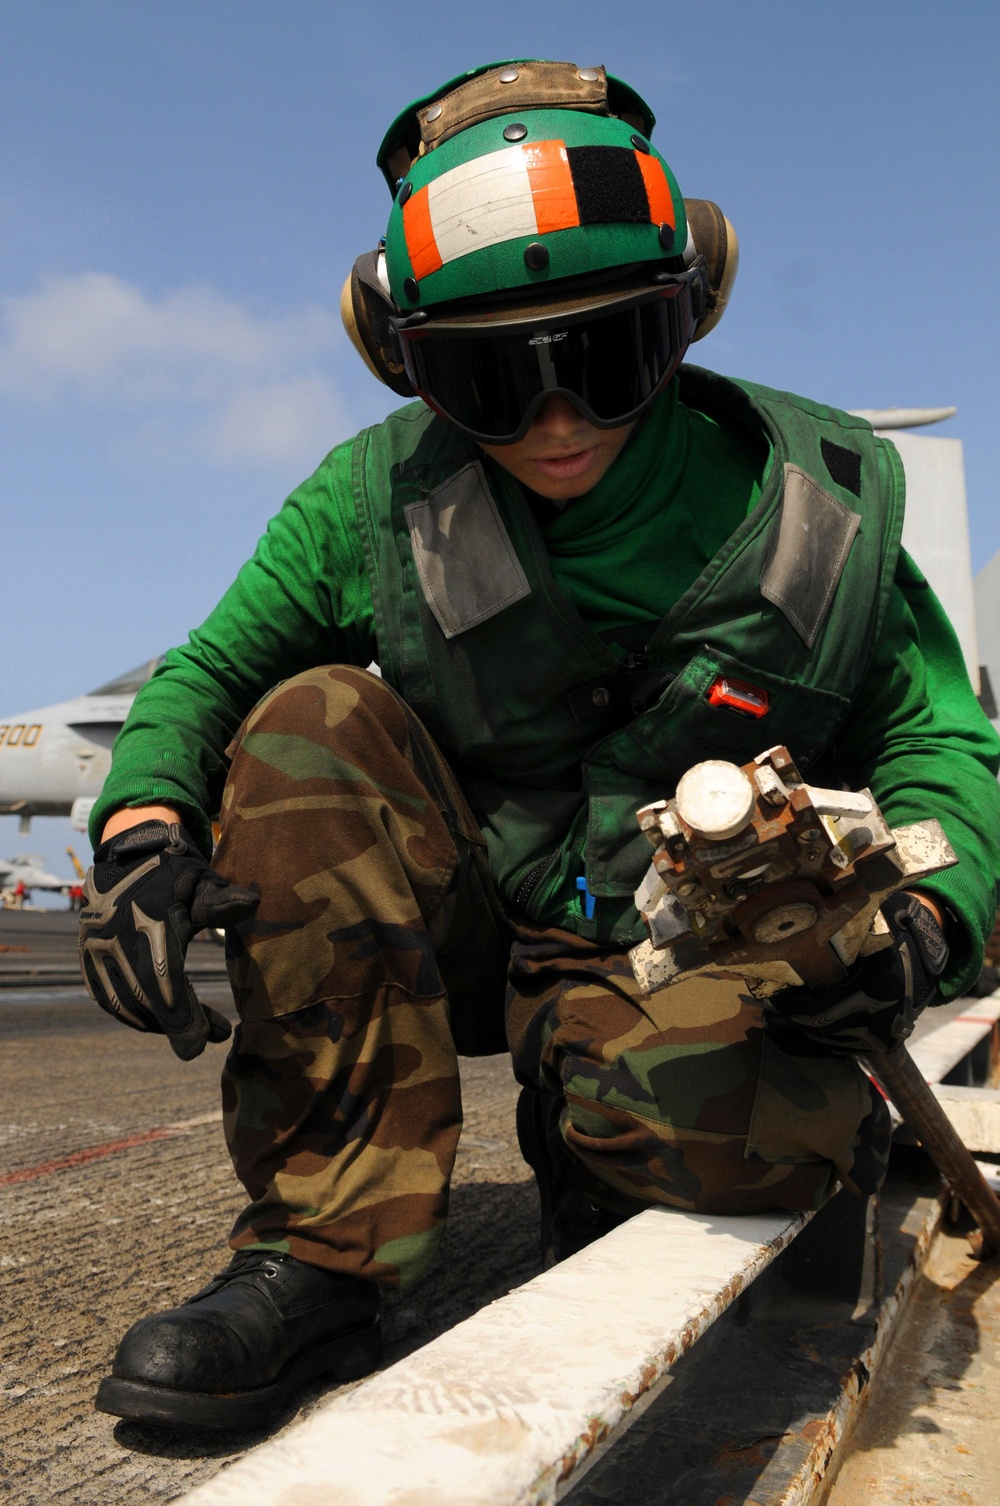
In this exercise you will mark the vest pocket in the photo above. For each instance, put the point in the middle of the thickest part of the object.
(645, 760)
(686, 728)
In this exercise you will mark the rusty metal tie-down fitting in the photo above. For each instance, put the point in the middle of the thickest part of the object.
(762, 874)
(775, 881)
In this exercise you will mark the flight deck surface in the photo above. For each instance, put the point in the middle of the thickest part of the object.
(117, 1197)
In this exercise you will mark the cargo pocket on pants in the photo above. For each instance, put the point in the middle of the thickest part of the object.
(807, 1108)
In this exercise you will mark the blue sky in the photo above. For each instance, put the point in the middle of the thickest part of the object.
(184, 186)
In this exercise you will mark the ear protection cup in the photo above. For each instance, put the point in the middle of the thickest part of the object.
(712, 236)
(365, 309)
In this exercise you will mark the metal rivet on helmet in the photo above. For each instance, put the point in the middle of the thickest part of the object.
(509, 76)
(516, 132)
(667, 236)
(640, 143)
(434, 113)
(536, 256)
(405, 191)
(589, 75)
(411, 288)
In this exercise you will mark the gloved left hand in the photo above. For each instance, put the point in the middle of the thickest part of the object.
(149, 891)
(876, 1007)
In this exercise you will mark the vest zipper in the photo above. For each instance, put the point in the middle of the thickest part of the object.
(533, 878)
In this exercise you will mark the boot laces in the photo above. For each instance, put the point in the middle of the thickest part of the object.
(249, 1262)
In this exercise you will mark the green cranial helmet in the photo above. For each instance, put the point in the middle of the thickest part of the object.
(538, 245)
(521, 175)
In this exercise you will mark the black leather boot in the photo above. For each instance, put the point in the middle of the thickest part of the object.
(235, 1355)
(569, 1220)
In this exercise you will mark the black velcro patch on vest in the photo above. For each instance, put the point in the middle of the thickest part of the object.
(609, 186)
(844, 465)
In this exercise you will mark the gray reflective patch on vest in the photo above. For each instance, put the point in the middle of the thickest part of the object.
(810, 545)
(463, 553)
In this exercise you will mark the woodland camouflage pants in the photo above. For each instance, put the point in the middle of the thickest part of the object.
(379, 951)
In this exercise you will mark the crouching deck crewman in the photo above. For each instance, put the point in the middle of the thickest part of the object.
(555, 555)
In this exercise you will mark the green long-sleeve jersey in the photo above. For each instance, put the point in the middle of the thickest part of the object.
(915, 734)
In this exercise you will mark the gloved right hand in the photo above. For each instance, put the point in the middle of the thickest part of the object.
(876, 1007)
(149, 891)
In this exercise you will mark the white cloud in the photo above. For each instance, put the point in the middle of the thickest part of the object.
(251, 387)
(280, 421)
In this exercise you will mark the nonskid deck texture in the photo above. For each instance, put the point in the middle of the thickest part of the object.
(929, 1434)
(40, 949)
(119, 1204)
(106, 1218)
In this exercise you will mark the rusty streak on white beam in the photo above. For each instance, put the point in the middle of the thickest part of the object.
(506, 1406)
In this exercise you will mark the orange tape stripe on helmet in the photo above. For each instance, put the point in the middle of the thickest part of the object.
(419, 231)
(518, 191)
(661, 204)
(552, 188)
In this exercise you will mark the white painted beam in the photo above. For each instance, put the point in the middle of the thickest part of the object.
(991, 1172)
(939, 1052)
(501, 1409)
(506, 1406)
(975, 1114)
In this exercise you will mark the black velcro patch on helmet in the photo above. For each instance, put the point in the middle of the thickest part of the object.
(844, 465)
(609, 185)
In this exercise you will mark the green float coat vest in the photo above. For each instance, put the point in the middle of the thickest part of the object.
(475, 635)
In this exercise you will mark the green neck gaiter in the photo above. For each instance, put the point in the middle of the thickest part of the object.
(627, 550)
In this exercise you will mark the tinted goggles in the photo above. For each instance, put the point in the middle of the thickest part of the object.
(609, 359)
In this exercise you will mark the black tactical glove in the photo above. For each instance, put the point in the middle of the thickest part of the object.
(876, 1007)
(148, 892)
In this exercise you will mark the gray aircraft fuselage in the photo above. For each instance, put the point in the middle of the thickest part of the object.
(56, 755)
(29, 869)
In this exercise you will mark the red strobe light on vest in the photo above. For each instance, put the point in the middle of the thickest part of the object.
(737, 695)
